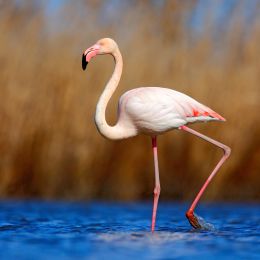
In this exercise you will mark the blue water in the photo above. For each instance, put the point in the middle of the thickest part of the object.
(59, 230)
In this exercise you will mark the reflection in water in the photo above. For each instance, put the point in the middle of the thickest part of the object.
(114, 231)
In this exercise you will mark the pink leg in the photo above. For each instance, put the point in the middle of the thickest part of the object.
(190, 213)
(157, 188)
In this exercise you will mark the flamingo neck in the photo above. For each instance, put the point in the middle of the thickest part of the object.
(116, 131)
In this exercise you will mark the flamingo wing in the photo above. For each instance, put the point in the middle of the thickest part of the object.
(155, 110)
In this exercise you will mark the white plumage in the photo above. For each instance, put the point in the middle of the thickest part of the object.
(154, 110)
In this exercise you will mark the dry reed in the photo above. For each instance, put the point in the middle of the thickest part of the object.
(49, 145)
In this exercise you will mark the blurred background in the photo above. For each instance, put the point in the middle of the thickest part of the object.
(49, 145)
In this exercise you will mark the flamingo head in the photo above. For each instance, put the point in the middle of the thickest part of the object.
(103, 46)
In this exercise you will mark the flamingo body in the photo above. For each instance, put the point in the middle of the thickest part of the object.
(155, 110)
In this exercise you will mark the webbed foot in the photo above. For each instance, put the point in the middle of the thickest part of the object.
(198, 222)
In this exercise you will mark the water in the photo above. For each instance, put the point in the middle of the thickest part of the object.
(59, 230)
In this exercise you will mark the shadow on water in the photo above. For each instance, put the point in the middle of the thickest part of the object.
(115, 231)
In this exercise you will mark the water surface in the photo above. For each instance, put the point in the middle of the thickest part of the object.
(59, 230)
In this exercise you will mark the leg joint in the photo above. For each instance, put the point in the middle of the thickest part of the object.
(227, 150)
(157, 190)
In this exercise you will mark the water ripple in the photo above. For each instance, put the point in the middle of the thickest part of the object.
(59, 230)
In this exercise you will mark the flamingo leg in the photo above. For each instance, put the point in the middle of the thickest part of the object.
(157, 188)
(194, 221)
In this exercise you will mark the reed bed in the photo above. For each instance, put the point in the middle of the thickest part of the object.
(49, 145)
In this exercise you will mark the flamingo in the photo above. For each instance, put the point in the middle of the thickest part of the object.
(151, 111)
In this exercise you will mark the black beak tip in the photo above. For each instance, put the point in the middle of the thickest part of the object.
(84, 62)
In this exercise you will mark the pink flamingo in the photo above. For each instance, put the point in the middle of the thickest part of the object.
(151, 111)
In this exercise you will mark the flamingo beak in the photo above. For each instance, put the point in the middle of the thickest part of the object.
(84, 62)
(88, 54)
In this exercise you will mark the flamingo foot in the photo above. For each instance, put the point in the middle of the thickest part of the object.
(198, 222)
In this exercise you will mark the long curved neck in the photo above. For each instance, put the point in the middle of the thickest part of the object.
(117, 131)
